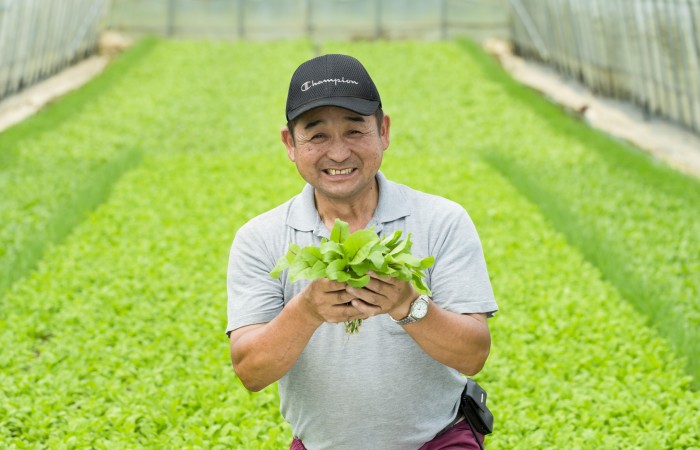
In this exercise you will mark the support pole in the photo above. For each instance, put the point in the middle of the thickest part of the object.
(171, 18)
(443, 20)
(241, 19)
(530, 27)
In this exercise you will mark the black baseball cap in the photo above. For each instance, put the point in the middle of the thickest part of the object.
(332, 80)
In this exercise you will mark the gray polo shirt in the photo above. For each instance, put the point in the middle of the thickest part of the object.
(376, 389)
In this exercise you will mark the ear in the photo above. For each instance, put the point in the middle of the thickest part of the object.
(288, 142)
(384, 131)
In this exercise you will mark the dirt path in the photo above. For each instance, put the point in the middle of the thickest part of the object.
(671, 143)
(18, 107)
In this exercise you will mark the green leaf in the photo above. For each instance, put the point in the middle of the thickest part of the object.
(310, 254)
(285, 261)
(357, 240)
(282, 265)
(331, 251)
(296, 268)
(390, 241)
(427, 262)
(364, 251)
(404, 273)
(340, 231)
(378, 261)
(389, 272)
(334, 268)
(303, 274)
(407, 259)
(318, 270)
(420, 285)
(400, 246)
(343, 276)
(358, 282)
(361, 268)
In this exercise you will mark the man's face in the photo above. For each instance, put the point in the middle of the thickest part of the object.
(338, 151)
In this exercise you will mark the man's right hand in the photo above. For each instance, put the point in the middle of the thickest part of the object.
(262, 353)
(328, 301)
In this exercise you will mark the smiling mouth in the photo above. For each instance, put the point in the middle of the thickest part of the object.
(338, 171)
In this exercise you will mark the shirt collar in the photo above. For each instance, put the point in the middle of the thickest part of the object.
(392, 205)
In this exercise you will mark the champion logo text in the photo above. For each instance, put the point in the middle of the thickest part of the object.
(309, 84)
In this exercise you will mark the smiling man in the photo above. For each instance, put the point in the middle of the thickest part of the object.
(396, 384)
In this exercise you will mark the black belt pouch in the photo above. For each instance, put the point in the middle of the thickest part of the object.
(473, 405)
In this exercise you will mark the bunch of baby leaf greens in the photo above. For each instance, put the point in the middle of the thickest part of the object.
(348, 257)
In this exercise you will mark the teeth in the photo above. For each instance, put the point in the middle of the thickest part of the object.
(339, 171)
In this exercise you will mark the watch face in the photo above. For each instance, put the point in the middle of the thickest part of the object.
(419, 309)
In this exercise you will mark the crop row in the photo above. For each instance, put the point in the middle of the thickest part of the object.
(636, 219)
(57, 170)
(116, 340)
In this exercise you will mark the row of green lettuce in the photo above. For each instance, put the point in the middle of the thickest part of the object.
(60, 165)
(116, 339)
(633, 217)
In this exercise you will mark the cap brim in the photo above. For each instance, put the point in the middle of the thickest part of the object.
(358, 105)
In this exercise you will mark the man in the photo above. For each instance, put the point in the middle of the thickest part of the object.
(396, 384)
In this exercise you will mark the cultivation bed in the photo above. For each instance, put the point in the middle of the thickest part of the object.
(114, 338)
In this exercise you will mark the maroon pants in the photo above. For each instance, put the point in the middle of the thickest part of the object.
(460, 436)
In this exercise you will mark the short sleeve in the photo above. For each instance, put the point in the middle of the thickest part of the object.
(459, 278)
(253, 296)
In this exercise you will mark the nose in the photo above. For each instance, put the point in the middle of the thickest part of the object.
(338, 150)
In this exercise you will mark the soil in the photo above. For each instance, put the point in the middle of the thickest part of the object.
(27, 102)
(678, 147)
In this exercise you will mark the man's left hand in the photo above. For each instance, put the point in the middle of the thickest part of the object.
(384, 295)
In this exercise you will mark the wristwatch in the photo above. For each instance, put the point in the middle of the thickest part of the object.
(418, 310)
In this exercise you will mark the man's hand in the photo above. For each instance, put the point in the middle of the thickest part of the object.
(329, 301)
(460, 341)
(262, 353)
(383, 295)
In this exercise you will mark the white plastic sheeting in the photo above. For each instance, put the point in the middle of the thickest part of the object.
(313, 19)
(643, 51)
(40, 37)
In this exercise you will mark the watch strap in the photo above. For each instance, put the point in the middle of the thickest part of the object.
(406, 320)
(410, 318)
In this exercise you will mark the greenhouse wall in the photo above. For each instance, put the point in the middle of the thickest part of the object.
(643, 51)
(40, 37)
(314, 19)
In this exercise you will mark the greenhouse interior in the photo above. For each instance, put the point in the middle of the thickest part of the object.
(198, 253)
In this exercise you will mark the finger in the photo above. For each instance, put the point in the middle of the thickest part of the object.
(329, 285)
(343, 297)
(376, 292)
(365, 308)
(385, 279)
(383, 285)
(364, 294)
(353, 313)
(346, 313)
